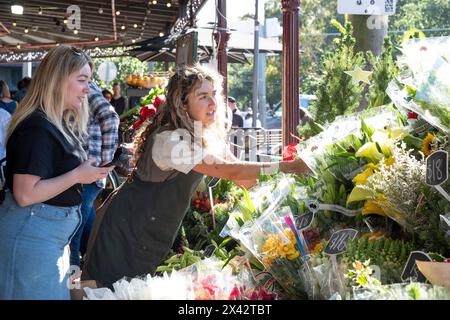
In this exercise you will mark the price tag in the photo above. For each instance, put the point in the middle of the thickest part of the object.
(411, 270)
(366, 7)
(214, 181)
(437, 168)
(339, 240)
(209, 250)
(302, 222)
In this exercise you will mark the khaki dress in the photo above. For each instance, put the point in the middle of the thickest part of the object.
(137, 225)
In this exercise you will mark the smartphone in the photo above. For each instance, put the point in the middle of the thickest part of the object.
(115, 160)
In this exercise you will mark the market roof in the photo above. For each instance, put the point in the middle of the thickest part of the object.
(239, 46)
(42, 24)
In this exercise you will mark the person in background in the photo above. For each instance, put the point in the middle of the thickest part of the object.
(6, 102)
(100, 144)
(4, 122)
(238, 121)
(136, 227)
(45, 167)
(22, 86)
(107, 95)
(117, 101)
(248, 121)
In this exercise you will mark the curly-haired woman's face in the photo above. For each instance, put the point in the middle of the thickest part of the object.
(201, 104)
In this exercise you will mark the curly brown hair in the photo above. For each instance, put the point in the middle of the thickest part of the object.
(174, 113)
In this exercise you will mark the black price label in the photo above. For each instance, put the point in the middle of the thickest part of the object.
(302, 222)
(437, 168)
(338, 241)
(411, 270)
(209, 251)
(213, 182)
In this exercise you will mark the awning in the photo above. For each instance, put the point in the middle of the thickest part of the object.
(90, 23)
(239, 46)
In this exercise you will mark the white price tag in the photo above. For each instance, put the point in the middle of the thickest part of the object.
(366, 7)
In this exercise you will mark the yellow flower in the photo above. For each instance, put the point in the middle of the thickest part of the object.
(389, 161)
(426, 145)
(363, 176)
(358, 265)
(317, 249)
(371, 206)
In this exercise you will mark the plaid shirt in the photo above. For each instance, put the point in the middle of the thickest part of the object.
(103, 129)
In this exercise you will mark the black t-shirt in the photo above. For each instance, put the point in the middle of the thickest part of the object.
(38, 148)
(119, 105)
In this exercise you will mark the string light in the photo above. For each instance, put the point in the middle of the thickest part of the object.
(169, 4)
(65, 21)
(122, 27)
(14, 23)
(18, 46)
(117, 13)
(135, 25)
(155, 2)
(75, 31)
(161, 34)
(40, 11)
(25, 30)
(96, 38)
(133, 40)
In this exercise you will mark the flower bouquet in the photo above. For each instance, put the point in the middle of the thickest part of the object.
(423, 85)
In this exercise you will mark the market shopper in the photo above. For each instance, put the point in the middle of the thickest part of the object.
(45, 167)
(100, 144)
(117, 101)
(137, 225)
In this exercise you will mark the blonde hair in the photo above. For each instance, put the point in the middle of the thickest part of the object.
(173, 112)
(47, 92)
(4, 90)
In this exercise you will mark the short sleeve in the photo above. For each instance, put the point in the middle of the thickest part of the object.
(174, 150)
(34, 152)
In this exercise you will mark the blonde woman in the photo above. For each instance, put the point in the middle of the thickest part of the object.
(136, 227)
(45, 167)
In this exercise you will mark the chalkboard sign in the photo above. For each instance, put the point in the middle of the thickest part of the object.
(411, 270)
(213, 182)
(209, 250)
(338, 241)
(437, 168)
(302, 222)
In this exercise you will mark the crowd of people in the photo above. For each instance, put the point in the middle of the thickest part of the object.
(58, 140)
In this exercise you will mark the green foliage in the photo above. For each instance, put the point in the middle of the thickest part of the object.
(180, 261)
(384, 70)
(337, 95)
(390, 255)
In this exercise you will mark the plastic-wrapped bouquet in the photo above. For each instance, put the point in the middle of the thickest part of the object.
(423, 85)
(272, 239)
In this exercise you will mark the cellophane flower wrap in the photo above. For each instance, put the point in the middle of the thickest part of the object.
(271, 240)
(423, 84)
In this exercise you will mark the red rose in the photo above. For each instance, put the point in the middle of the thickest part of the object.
(289, 152)
(147, 111)
(158, 102)
(136, 124)
(412, 115)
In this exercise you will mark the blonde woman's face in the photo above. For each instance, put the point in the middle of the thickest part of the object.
(201, 104)
(77, 88)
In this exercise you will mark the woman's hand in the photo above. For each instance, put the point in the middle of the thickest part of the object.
(86, 173)
(297, 166)
(247, 184)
